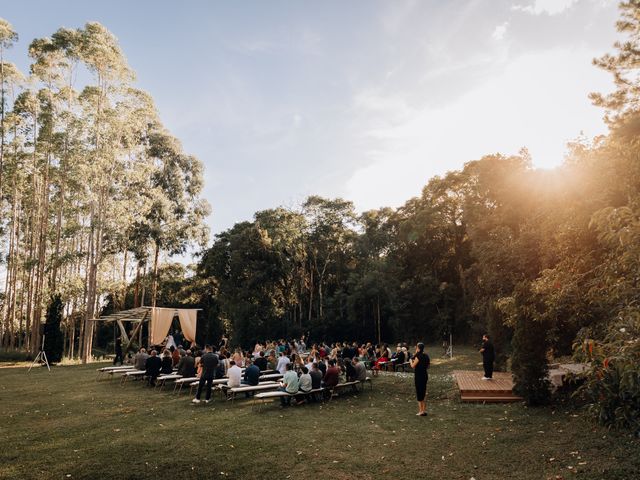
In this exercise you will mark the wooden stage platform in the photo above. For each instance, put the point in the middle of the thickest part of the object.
(474, 389)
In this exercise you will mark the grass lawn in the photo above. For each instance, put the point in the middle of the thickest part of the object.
(65, 424)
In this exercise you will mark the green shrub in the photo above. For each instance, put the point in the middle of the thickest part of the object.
(612, 384)
(529, 357)
(529, 362)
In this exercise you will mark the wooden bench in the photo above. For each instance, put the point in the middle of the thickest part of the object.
(264, 396)
(112, 370)
(271, 376)
(231, 392)
(334, 390)
(178, 384)
(160, 381)
(131, 374)
(214, 383)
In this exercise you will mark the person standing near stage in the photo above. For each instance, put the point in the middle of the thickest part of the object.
(209, 362)
(118, 346)
(420, 364)
(488, 357)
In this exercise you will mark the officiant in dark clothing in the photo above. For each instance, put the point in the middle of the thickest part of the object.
(488, 357)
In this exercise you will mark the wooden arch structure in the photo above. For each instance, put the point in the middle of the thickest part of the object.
(138, 315)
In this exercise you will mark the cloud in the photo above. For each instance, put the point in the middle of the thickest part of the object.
(538, 101)
(549, 7)
(253, 46)
(499, 31)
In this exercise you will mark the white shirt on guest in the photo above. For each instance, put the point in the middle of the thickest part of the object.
(282, 364)
(235, 376)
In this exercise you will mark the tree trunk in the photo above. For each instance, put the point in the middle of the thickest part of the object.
(1, 122)
(379, 323)
(154, 289)
(124, 280)
(310, 291)
(42, 250)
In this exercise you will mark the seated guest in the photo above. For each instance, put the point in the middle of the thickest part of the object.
(332, 377)
(261, 362)
(322, 365)
(305, 382)
(360, 369)
(187, 365)
(140, 360)
(309, 363)
(316, 376)
(304, 385)
(283, 361)
(223, 366)
(380, 362)
(167, 363)
(238, 358)
(198, 363)
(235, 375)
(289, 384)
(349, 370)
(152, 367)
(251, 374)
(175, 355)
(271, 360)
(346, 351)
(298, 363)
(400, 358)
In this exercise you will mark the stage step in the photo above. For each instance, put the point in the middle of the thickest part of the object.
(504, 399)
(478, 393)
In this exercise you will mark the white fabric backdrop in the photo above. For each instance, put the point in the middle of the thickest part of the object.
(188, 323)
(160, 323)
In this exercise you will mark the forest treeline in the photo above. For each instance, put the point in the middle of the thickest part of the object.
(546, 261)
(93, 188)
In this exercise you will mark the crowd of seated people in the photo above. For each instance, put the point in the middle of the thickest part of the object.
(315, 367)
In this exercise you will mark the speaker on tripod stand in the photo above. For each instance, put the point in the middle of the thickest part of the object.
(42, 355)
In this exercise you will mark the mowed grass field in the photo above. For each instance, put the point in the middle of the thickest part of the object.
(65, 424)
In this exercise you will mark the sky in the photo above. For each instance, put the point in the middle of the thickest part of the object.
(360, 99)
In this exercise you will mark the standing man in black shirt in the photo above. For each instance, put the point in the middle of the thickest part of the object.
(488, 356)
(209, 362)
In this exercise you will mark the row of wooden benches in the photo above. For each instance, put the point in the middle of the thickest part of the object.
(265, 390)
(330, 392)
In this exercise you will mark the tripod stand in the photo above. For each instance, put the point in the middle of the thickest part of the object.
(447, 346)
(41, 357)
